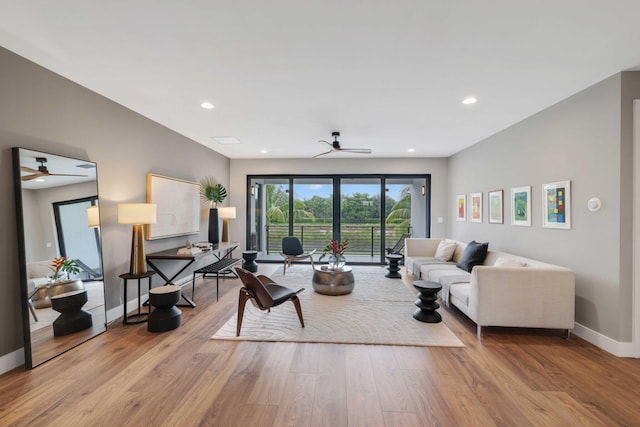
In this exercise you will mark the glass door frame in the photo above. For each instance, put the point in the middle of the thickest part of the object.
(336, 179)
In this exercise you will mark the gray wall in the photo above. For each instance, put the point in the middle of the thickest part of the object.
(437, 167)
(586, 139)
(42, 111)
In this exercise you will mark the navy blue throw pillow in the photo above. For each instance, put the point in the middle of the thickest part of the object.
(474, 254)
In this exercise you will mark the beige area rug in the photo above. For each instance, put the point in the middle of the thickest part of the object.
(378, 311)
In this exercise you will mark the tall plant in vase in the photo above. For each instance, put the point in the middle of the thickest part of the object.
(212, 192)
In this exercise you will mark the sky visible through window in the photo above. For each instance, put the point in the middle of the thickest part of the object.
(307, 191)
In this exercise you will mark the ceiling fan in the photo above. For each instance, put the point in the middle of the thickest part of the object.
(41, 171)
(335, 147)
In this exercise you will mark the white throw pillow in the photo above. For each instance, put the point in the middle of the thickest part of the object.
(445, 250)
(506, 262)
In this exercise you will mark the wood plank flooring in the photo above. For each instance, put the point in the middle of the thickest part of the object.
(130, 377)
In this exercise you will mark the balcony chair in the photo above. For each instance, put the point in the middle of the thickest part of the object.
(292, 251)
(264, 293)
(398, 248)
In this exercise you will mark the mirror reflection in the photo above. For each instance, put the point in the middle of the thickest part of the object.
(60, 248)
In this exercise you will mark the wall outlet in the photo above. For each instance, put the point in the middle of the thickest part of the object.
(49, 244)
(440, 220)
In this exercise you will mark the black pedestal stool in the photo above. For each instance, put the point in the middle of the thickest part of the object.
(72, 317)
(249, 263)
(165, 316)
(426, 302)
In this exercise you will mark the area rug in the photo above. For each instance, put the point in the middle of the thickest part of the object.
(378, 311)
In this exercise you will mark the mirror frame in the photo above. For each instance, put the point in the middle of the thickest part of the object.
(24, 291)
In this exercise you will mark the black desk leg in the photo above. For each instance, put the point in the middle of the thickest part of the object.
(169, 281)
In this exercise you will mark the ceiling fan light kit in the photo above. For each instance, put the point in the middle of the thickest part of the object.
(336, 148)
(41, 171)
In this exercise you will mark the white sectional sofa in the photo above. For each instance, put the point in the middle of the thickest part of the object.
(517, 292)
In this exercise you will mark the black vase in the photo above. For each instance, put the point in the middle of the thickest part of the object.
(214, 232)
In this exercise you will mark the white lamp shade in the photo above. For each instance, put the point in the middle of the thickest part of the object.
(136, 213)
(93, 216)
(227, 212)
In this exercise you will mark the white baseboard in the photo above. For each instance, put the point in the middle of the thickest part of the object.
(11, 360)
(617, 348)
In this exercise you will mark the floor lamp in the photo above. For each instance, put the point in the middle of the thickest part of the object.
(137, 214)
(226, 213)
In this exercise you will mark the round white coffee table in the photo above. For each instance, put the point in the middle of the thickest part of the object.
(333, 282)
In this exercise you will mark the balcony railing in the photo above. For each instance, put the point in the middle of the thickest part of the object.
(363, 239)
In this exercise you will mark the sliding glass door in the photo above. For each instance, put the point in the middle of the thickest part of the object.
(317, 209)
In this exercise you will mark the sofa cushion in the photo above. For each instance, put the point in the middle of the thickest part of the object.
(445, 250)
(507, 262)
(474, 254)
(461, 292)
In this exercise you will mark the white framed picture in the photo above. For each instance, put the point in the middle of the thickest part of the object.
(521, 206)
(461, 209)
(475, 205)
(496, 207)
(556, 205)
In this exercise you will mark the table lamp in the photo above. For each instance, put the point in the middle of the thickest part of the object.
(137, 214)
(93, 217)
(226, 213)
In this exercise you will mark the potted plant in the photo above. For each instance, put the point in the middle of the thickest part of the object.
(212, 192)
(60, 282)
(336, 259)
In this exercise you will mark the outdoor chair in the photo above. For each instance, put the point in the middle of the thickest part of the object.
(398, 248)
(292, 251)
(264, 293)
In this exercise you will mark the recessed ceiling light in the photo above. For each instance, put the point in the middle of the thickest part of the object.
(226, 139)
(264, 151)
(207, 105)
(411, 150)
(469, 100)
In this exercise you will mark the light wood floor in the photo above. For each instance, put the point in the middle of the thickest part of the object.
(130, 377)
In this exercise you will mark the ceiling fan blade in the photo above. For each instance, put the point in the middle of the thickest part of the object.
(28, 169)
(322, 154)
(357, 150)
(30, 177)
(66, 174)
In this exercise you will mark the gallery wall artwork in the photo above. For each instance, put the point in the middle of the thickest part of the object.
(178, 206)
(521, 206)
(461, 207)
(556, 208)
(476, 207)
(496, 207)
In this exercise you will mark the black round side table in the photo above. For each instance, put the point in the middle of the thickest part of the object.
(394, 268)
(250, 261)
(140, 314)
(426, 302)
(165, 316)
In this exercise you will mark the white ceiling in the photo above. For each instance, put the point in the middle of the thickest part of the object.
(390, 75)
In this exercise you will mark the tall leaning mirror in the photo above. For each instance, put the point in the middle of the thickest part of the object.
(60, 253)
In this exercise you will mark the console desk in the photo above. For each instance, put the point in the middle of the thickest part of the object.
(219, 251)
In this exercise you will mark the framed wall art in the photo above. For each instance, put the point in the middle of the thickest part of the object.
(556, 207)
(496, 207)
(461, 208)
(476, 207)
(178, 206)
(521, 206)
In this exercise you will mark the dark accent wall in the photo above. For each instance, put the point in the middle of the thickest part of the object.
(41, 110)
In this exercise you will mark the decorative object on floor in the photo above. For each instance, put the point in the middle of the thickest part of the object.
(137, 214)
(521, 206)
(426, 302)
(461, 208)
(329, 281)
(496, 207)
(249, 262)
(336, 260)
(336, 148)
(476, 207)
(265, 294)
(212, 192)
(165, 315)
(556, 206)
(226, 213)
(374, 313)
(394, 268)
(72, 317)
(292, 251)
